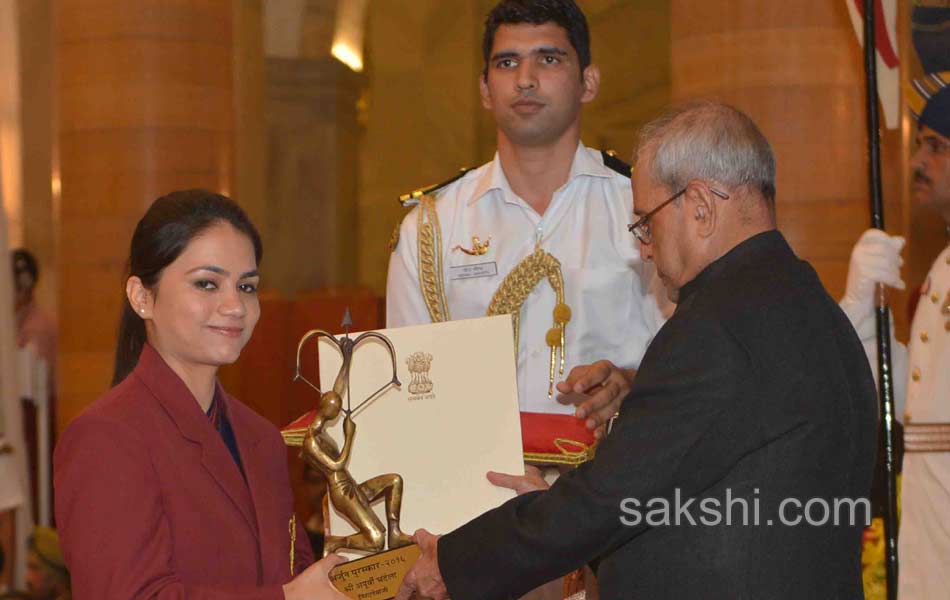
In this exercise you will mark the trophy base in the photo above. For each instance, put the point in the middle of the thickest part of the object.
(377, 576)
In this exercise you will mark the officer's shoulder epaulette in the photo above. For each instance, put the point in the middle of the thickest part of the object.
(413, 197)
(612, 162)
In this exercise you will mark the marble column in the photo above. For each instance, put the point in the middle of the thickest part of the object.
(146, 106)
(423, 61)
(312, 147)
(37, 111)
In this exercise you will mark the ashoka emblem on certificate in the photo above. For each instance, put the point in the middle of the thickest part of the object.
(419, 364)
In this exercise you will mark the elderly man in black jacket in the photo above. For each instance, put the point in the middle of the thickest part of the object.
(741, 459)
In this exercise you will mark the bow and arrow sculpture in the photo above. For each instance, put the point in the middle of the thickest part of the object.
(353, 500)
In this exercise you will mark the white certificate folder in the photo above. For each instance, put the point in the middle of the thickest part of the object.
(454, 418)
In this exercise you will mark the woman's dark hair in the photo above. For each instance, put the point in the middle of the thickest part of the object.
(170, 223)
(564, 13)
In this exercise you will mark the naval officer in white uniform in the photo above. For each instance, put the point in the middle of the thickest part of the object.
(544, 190)
(539, 232)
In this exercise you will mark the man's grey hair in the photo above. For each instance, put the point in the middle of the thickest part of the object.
(712, 142)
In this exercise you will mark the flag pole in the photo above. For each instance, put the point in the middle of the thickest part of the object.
(885, 373)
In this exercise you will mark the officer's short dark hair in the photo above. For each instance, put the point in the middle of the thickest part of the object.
(564, 13)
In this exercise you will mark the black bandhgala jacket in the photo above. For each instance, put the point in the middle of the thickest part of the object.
(758, 390)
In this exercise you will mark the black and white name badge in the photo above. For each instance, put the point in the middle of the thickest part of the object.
(485, 269)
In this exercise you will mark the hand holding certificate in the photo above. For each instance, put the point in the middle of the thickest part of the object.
(421, 450)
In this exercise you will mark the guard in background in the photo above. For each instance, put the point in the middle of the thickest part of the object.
(922, 371)
(924, 536)
(34, 325)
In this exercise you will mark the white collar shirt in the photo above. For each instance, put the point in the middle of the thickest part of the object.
(616, 300)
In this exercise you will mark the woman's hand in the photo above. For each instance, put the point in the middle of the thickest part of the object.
(314, 583)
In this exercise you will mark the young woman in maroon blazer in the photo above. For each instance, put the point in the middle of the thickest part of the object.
(167, 487)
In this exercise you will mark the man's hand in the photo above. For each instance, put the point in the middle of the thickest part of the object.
(597, 390)
(424, 580)
(315, 582)
(531, 481)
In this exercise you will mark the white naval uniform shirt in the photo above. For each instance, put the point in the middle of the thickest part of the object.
(924, 542)
(615, 298)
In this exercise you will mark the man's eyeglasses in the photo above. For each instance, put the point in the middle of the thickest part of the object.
(641, 229)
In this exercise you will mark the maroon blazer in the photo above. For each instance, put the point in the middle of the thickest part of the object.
(150, 503)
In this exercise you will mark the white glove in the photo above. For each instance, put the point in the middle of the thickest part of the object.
(876, 258)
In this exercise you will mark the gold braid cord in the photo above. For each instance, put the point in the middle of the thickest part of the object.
(293, 541)
(513, 291)
(510, 295)
(431, 280)
(570, 452)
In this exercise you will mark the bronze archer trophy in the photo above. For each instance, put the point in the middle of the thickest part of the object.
(352, 500)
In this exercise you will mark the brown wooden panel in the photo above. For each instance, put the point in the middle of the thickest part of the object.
(90, 299)
(163, 19)
(118, 61)
(695, 17)
(92, 241)
(799, 121)
(82, 377)
(129, 193)
(767, 57)
(153, 103)
(147, 153)
(142, 150)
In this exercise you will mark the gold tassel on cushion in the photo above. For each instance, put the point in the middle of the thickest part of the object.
(514, 290)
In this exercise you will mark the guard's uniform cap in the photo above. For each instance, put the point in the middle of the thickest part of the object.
(936, 115)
